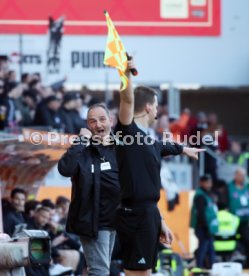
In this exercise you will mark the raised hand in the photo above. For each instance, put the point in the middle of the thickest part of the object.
(192, 152)
(86, 133)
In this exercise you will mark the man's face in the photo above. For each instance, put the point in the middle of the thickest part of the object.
(240, 177)
(18, 202)
(65, 208)
(54, 105)
(99, 123)
(152, 111)
(207, 184)
(42, 218)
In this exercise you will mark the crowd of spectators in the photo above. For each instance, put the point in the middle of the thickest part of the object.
(20, 213)
(30, 103)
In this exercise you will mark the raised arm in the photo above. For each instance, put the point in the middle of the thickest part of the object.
(126, 109)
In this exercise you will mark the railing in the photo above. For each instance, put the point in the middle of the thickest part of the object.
(225, 171)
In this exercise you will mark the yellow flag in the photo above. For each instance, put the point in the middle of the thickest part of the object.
(115, 54)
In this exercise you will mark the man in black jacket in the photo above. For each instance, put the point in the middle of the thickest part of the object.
(95, 190)
(70, 117)
(47, 113)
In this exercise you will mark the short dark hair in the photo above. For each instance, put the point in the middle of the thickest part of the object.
(48, 203)
(17, 191)
(61, 200)
(143, 95)
(31, 205)
(42, 208)
(24, 77)
(101, 105)
(31, 94)
(205, 177)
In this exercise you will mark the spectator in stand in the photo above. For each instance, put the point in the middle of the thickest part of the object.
(86, 99)
(57, 86)
(37, 76)
(79, 103)
(39, 221)
(25, 80)
(238, 191)
(114, 114)
(201, 122)
(45, 92)
(72, 241)
(4, 66)
(29, 209)
(27, 106)
(47, 113)
(13, 220)
(210, 162)
(162, 126)
(35, 84)
(7, 102)
(204, 221)
(179, 125)
(51, 206)
(3, 107)
(191, 125)
(11, 76)
(69, 114)
(237, 157)
(15, 95)
(223, 143)
(63, 203)
(60, 239)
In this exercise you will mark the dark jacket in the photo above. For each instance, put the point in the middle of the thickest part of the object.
(71, 120)
(46, 117)
(78, 163)
(9, 117)
(12, 220)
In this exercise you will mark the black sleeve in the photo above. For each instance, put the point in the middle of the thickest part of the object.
(169, 148)
(121, 130)
(201, 204)
(8, 224)
(42, 116)
(68, 164)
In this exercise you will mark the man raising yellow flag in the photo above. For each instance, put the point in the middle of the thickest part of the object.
(115, 54)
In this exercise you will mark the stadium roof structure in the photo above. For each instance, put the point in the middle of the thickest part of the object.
(24, 164)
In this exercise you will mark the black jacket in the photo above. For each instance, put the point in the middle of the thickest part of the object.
(12, 220)
(78, 163)
(71, 120)
(46, 117)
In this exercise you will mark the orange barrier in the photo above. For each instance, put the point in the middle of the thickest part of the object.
(178, 221)
(52, 192)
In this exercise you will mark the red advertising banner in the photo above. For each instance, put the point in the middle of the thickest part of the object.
(139, 17)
